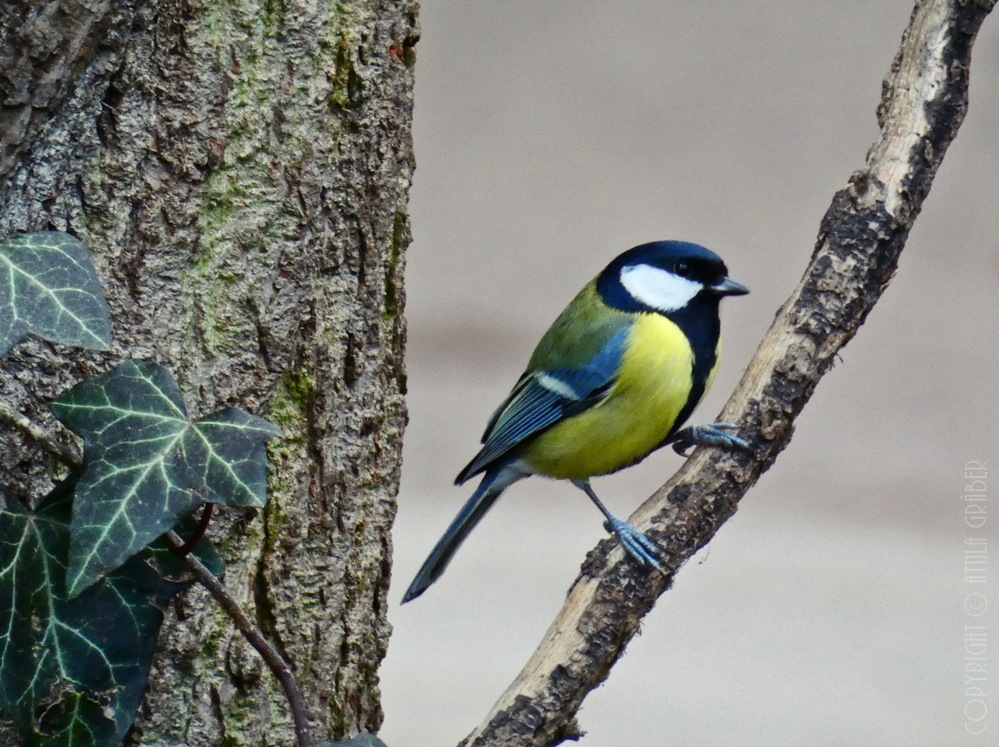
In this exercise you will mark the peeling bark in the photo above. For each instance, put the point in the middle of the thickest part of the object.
(924, 101)
(240, 171)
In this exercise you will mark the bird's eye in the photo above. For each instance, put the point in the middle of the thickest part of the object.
(682, 269)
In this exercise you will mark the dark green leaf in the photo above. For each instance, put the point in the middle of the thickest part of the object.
(146, 465)
(73, 671)
(48, 286)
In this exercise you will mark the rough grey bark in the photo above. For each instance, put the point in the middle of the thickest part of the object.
(44, 47)
(924, 100)
(240, 170)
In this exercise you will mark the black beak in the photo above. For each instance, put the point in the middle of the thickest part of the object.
(728, 287)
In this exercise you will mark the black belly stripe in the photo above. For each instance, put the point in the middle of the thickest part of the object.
(699, 322)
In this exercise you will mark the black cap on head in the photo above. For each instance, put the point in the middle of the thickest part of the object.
(686, 261)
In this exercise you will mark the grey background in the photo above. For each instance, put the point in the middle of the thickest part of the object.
(550, 136)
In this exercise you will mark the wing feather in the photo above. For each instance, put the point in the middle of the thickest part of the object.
(542, 398)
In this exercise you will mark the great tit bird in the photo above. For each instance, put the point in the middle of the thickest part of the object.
(612, 380)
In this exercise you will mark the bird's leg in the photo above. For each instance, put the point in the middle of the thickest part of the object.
(640, 547)
(709, 434)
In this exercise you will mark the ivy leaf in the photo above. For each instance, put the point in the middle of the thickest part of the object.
(48, 286)
(146, 465)
(73, 671)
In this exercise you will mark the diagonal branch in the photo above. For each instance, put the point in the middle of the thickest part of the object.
(924, 100)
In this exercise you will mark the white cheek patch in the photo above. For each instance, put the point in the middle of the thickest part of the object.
(658, 288)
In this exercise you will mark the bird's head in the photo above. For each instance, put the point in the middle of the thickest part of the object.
(665, 276)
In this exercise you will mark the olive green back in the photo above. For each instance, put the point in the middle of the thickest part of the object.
(579, 333)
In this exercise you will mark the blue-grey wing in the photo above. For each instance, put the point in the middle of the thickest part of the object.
(542, 398)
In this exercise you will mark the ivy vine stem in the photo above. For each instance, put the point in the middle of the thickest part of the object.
(199, 532)
(256, 639)
(64, 454)
(278, 666)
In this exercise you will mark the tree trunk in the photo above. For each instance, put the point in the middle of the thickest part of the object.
(240, 170)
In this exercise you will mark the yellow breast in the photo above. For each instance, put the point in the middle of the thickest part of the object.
(653, 386)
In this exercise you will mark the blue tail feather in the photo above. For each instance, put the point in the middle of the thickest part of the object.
(470, 515)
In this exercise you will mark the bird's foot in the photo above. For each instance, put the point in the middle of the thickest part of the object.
(709, 434)
(640, 547)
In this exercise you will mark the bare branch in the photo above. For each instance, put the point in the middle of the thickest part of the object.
(860, 239)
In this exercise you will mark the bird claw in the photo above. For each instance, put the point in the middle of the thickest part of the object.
(638, 546)
(709, 434)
